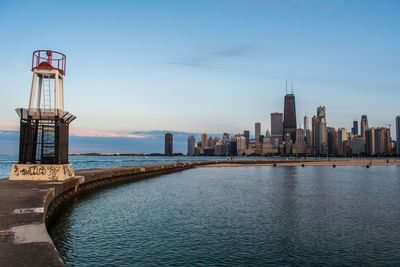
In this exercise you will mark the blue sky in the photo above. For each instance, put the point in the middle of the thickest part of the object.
(205, 66)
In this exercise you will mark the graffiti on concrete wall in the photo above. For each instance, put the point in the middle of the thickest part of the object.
(53, 172)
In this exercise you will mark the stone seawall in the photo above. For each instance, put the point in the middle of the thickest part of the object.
(26, 207)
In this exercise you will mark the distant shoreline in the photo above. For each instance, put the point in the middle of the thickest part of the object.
(307, 158)
(302, 163)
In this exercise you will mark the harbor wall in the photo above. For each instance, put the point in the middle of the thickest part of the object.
(26, 207)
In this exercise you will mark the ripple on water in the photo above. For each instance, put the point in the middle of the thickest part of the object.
(239, 216)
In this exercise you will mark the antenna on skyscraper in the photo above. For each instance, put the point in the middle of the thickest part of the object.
(292, 87)
(286, 86)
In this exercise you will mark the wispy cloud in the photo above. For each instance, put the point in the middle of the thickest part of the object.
(197, 61)
(233, 51)
(110, 134)
(206, 56)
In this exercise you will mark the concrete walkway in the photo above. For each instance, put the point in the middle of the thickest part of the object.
(25, 207)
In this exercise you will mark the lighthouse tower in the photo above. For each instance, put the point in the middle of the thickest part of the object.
(44, 126)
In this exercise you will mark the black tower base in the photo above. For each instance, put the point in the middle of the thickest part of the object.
(44, 136)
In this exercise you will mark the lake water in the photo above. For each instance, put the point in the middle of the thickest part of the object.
(241, 216)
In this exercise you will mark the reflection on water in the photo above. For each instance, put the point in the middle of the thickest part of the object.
(251, 216)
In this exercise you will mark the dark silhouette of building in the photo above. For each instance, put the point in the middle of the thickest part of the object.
(354, 130)
(322, 132)
(315, 135)
(370, 136)
(289, 117)
(332, 141)
(277, 127)
(168, 144)
(257, 131)
(364, 125)
(232, 150)
(246, 134)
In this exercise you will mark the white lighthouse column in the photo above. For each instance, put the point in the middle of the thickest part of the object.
(56, 92)
(39, 93)
(33, 91)
(62, 93)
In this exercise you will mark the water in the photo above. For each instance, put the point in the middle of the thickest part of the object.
(253, 216)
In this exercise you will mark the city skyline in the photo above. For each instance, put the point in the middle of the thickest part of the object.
(167, 63)
(284, 138)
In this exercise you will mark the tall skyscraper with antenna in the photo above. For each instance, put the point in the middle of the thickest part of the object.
(289, 116)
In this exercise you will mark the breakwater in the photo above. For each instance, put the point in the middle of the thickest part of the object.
(26, 207)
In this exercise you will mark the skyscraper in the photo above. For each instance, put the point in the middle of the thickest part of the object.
(342, 138)
(307, 132)
(210, 142)
(382, 141)
(315, 135)
(204, 140)
(257, 131)
(332, 141)
(168, 144)
(289, 119)
(370, 141)
(288, 145)
(364, 125)
(322, 133)
(225, 136)
(247, 135)
(276, 127)
(354, 130)
(398, 135)
(306, 124)
(191, 145)
(300, 137)
(299, 146)
(241, 145)
(358, 145)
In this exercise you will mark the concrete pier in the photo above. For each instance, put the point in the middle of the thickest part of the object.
(26, 206)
